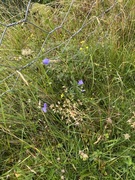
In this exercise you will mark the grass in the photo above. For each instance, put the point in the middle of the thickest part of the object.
(88, 130)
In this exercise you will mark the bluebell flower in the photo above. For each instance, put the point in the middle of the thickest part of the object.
(80, 82)
(46, 61)
(44, 109)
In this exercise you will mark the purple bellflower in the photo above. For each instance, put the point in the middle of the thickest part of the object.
(80, 82)
(44, 109)
(46, 61)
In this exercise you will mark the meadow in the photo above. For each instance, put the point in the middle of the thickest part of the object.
(67, 90)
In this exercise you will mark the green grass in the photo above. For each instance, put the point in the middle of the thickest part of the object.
(84, 135)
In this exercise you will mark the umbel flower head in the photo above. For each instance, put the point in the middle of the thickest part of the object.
(46, 61)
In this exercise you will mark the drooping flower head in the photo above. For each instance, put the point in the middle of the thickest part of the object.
(44, 108)
(80, 82)
(46, 61)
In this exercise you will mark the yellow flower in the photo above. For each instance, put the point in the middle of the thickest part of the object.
(81, 49)
(82, 42)
(62, 95)
(42, 49)
(32, 35)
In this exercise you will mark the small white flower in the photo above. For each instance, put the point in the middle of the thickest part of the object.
(133, 125)
(62, 177)
(63, 171)
(83, 155)
(126, 136)
(29, 100)
(58, 159)
(109, 120)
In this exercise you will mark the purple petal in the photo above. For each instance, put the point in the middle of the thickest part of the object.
(46, 61)
(44, 109)
(80, 82)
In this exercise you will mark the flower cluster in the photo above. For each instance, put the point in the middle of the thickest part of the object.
(83, 47)
(71, 109)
